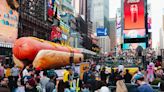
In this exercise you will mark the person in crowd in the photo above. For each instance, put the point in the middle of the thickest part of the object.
(4, 89)
(52, 72)
(98, 85)
(143, 86)
(127, 77)
(37, 72)
(67, 87)
(38, 85)
(44, 80)
(31, 86)
(104, 89)
(85, 75)
(162, 84)
(1, 71)
(103, 75)
(120, 68)
(7, 71)
(15, 72)
(50, 86)
(4, 82)
(116, 73)
(76, 83)
(158, 63)
(25, 71)
(150, 72)
(120, 85)
(61, 86)
(67, 74)
(112, 77)
(21, 87)
(159, 72)
(85, 88)
(91, 80)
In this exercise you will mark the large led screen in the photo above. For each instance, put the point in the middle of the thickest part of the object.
(138, 33)
(133, 45)
(8, 22)
(134, 14)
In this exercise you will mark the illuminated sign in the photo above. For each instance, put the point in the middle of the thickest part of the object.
(101, 31)
(133, 45)
(138, 33)
(8, 23)
(134, 14)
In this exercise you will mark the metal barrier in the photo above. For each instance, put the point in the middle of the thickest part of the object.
(131, 87)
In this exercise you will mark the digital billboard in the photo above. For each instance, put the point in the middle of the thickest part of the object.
(138, 33)
(133, 45)
(8, 22)
(134, 14)
(101, 31)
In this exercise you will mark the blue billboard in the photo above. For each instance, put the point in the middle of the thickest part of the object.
(101, 31)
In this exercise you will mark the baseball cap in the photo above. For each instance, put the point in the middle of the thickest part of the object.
(138, 76)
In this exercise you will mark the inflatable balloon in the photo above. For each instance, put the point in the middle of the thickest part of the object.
(43, 54)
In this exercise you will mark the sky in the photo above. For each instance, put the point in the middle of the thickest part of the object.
(156, 10)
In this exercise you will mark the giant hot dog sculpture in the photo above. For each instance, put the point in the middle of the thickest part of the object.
(43, 54)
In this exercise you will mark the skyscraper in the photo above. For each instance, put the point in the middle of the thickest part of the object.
(100, 19)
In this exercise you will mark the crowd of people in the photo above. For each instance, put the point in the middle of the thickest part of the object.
(14, 79)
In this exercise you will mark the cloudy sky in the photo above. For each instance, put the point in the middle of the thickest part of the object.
(156, 10)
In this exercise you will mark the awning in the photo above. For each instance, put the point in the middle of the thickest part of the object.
(86, 51)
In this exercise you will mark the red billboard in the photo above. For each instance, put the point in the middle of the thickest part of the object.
(134, 14)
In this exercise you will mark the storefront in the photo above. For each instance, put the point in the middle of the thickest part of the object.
(6, 53)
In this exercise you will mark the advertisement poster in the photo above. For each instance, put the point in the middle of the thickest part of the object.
(8, 22)
(133, 45)
(138, 33)
(134, 14)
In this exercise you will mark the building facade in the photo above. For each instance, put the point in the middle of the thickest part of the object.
(112, 26)
(32, 20)
(100, 19)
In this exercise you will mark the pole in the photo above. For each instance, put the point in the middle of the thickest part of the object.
(146, 24)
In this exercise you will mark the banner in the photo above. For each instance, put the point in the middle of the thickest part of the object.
(134, 17)
(8, 22)
(138, 33)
